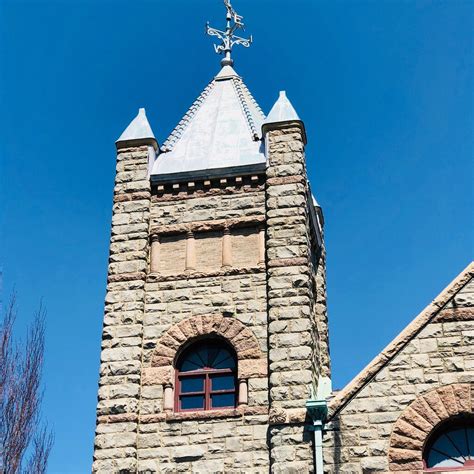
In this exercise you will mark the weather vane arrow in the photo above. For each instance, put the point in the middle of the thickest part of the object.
(228, 37)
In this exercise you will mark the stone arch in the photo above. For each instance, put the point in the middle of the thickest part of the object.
(418, 420)
(251, 360)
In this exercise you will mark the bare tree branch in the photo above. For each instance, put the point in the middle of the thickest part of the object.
(21, 395)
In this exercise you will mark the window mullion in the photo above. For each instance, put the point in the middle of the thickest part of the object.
(207, 390)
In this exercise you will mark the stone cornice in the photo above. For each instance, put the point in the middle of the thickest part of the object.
(287, 126)
(185, 192)
(134, 148)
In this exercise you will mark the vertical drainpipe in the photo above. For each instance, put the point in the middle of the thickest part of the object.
(317, 410)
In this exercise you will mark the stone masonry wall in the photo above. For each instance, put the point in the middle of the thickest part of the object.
(319, 313)
(262, 293)
(293, 337)
(440, 357)
(120, 370)
(214, 441)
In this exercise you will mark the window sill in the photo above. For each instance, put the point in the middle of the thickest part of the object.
(216, 414)
(204, 415)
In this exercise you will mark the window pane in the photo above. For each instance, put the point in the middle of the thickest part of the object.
(443, 445)
(191, 362)
(192, 384)
(222, 382)
(213, 352)
(458, 438)
(203, 354)
(223, 400)
(224, 360)
(436, 459)
(192, 402)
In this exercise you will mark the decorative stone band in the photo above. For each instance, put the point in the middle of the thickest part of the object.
(413, 427)
(280, 416)
(137, 196)
(455, 314)
(207, 226)
(287, 262)
(291, 179)
(226, 271)
(251, 360)
(126, 277)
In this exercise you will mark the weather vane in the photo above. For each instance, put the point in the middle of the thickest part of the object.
(227, 37)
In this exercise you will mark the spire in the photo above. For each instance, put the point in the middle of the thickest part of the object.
(282, 112)
(138, 132)
(227, 37)
(221, 130)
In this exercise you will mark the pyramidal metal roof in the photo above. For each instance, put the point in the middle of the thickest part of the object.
(282, 110)
(221, 129)
(138, 130)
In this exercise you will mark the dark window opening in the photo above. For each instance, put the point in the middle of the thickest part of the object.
(206, 377)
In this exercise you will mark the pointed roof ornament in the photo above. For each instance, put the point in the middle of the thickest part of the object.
(227, 72)
(137, 133)
(282, 113)
(227, 37)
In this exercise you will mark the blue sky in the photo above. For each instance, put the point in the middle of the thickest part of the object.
(384, 88)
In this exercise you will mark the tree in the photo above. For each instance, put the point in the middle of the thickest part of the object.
(25, 443)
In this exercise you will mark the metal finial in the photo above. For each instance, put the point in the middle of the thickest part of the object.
(227, 37)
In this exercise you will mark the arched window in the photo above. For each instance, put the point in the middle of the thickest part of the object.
(206, 377)
(451, 446)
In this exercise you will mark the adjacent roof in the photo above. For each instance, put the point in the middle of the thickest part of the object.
(220, 130)
(138, 130)
(343, 397)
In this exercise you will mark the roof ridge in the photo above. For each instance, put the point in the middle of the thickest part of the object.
(248, 115)
(252, 99)
(344, 396)
(177, 131)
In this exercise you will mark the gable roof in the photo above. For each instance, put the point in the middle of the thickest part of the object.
(343, 397)
(219, 130)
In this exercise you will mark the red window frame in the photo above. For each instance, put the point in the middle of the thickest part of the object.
(208, 373)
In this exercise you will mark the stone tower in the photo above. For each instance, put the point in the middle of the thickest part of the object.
(215, 328)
